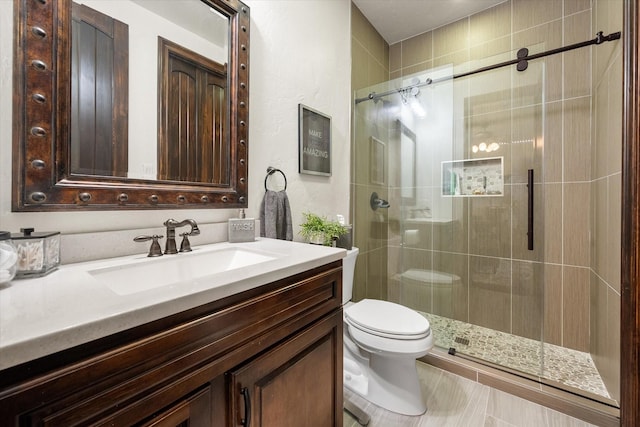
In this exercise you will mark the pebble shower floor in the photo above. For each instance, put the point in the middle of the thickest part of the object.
(568, 367)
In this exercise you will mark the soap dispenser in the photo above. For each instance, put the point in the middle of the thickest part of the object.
(242, 229)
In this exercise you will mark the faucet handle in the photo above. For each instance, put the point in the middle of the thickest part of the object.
(185, 245)
(155, 249)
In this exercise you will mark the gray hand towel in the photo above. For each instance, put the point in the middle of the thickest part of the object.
(275, 216)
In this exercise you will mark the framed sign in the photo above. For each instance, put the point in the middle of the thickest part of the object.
(314, 141)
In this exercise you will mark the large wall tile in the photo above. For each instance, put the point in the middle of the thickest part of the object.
(614, 116)
(553, 223)
(395, 57)
(611, 374)
(575, 300)
(575, 6)
(490, 24)
(359, 74)
(490, 225)
(553, 304)
(601, 145)
(453, 236)
(576, 142)
(456, 265)
(360, 26)
(417, 49)
(577, 63)
(459, 59)
(378, 73)
(418, 68)
(451, 38)
(576, 202)
(492, 51)
(553, 142)
(528, 299)
(490, 292)
(614, 234)
(527, 13)
(601, 227)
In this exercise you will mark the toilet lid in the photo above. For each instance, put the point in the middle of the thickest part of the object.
(387, 319)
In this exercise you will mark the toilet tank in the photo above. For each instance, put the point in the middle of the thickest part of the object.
(348, 270)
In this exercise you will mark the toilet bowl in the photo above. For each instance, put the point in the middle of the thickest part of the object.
(381, 343)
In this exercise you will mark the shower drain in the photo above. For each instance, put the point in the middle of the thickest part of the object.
(463, 341)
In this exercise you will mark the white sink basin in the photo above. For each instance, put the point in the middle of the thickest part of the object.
(180, 269)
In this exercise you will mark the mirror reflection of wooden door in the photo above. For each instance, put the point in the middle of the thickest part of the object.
(99, 90)
(193, 117)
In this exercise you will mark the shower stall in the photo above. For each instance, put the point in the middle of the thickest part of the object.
(477, 195)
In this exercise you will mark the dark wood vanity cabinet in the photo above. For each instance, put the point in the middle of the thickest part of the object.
(289, 385)
(270, 356)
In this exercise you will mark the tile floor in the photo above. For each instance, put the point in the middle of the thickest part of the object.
(456, 401)
(571, 368)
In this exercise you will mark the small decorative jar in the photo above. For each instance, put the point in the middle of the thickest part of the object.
(38, 253)
(8, 258)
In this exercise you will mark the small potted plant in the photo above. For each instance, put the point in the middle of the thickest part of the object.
(321, 231)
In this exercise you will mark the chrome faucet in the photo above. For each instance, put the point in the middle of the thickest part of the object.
(172, 224)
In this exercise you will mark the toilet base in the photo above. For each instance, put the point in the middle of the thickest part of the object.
(389, 382)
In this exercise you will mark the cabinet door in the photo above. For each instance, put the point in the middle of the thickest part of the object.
(297, 383)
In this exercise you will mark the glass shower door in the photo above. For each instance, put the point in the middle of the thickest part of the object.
(461, 162)
(486, 272)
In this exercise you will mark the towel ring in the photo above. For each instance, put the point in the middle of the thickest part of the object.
(270, 171)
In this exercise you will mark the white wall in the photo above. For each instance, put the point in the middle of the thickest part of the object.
(300, 53)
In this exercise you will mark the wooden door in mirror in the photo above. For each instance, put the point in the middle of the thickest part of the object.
(44, 176)
(192, 126)
(99, 83)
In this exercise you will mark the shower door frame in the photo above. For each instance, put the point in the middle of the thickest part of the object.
(630, 239)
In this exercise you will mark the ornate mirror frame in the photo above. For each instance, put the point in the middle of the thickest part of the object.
(41, 123)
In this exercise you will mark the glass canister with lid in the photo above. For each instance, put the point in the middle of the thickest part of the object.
(38, 252)
(8, 258)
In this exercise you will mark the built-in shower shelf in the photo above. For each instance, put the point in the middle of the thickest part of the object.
(473, 177)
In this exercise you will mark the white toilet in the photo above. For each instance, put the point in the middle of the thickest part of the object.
(382, 341)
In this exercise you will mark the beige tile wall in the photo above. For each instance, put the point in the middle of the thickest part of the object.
(539, 25)
(370, 66)
(606, 190)
(581, 182)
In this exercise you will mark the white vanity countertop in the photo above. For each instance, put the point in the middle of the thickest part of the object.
(71, 305)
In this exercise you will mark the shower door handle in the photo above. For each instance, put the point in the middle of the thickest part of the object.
(530, 209)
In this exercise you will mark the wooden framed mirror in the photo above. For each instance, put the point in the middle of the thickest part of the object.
(51, 139)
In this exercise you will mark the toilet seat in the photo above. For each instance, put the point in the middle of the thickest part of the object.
(405, 348)
(388, 320)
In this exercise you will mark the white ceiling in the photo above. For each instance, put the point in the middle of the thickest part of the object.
(397, 20)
